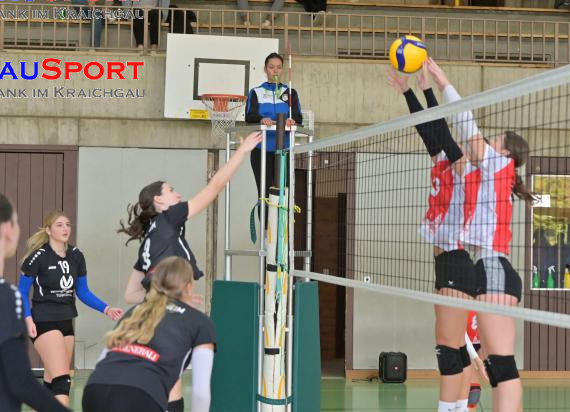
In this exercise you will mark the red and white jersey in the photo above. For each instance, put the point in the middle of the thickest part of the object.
(443, 222)
(488, 203)
(472, 330)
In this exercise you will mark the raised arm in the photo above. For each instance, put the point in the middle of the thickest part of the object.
(218, 182)
(464, 122)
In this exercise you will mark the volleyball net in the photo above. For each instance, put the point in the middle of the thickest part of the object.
(380, 184)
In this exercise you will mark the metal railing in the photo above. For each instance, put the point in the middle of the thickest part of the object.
(340, 35)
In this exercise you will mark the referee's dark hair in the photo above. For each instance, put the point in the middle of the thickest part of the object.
(273, 56)
(6, 209)
(142, 212)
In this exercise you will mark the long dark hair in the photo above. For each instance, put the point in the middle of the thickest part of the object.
(142, 212)
(6, 209)
(518, 151)
(273, 56)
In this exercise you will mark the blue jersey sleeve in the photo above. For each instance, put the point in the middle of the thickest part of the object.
(87, 297)
(24, 286)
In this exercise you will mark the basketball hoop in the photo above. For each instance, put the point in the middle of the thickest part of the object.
(224, 110)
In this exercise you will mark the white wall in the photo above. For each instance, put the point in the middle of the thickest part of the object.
(109, 179)
(392, 192)
(243, 197)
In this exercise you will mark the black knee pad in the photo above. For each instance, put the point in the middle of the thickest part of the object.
(501, 368)
(448, 360)
(176, 406)
(47, 385)
(465, 359)
(61, 385)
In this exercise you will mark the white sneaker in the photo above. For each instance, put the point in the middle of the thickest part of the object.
(266, 23)
(318, 18)
(140, 49)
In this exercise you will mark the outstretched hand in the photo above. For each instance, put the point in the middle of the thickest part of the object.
(437, 74)
(114, 313)
(249, 143)
(397, 81)
(423, 77)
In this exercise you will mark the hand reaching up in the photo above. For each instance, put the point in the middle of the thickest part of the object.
(437, 74)
(249, 143)
(423, 77)
(396, 80)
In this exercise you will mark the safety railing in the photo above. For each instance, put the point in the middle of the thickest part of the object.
(340, 35)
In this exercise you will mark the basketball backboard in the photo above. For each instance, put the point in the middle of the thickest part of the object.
(198, 64)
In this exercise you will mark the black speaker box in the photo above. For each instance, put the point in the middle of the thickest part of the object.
(393, 367)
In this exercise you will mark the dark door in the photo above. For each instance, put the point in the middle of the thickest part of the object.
(37, 180)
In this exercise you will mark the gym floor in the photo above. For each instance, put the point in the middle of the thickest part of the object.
(417, 395)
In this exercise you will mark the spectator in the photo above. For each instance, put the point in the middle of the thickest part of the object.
(180, 21)
(87, 7)
(317, 7)
(276, 6)
(150, 8)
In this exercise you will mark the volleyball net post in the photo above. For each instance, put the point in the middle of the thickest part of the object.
(272, 377)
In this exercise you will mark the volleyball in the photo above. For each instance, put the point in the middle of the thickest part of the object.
(408, 53)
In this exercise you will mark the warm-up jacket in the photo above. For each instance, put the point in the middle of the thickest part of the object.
(268, 100)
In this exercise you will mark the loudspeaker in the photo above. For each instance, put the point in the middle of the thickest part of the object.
(393, 367)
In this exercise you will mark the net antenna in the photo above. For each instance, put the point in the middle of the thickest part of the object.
(223, 110)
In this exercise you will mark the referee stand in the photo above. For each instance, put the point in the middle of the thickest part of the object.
(238, 312)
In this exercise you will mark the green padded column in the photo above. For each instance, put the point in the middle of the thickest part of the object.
(306, 349)
(235, 310)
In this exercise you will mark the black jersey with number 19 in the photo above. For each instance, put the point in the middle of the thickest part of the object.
(164, 238)
(54, 287)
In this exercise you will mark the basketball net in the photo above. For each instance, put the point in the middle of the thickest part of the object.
(224, 110)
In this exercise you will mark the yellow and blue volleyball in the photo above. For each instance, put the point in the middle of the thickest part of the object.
(408, 53)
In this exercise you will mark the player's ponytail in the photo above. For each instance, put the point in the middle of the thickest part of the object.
(169, 280)
(142, 212)
(41, 237)
(518, 151)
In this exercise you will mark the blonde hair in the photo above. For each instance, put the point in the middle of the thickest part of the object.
(168, 282)
(41, 236)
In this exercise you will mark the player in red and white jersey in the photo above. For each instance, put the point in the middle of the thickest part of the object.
(472, 330)
(488, 216)
(442, 226)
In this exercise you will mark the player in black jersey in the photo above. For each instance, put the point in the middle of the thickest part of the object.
(152, 345)
(57, 272)
(17, 384)
(158, 220)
